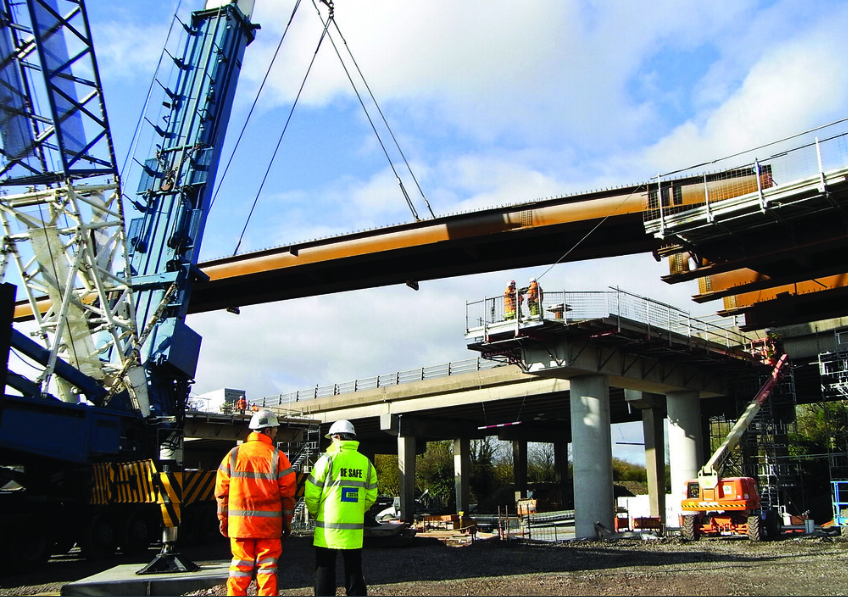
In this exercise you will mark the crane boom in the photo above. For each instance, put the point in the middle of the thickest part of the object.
(713, 465)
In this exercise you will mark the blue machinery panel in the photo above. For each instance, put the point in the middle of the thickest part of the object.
(61, 76)
(840, 502)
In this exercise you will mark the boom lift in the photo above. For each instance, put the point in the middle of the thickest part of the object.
(90, 447)
(716, 505)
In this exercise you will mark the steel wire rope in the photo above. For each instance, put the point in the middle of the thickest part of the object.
(253, 106)
(733, 155)
(588, 234)
(382, 116)
(282, 134)
(146, 105)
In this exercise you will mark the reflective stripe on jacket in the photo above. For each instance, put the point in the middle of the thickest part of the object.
(255, 489)
(509, 299)
(341, 488)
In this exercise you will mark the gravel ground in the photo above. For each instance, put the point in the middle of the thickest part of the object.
(809, 566)
(668, 566)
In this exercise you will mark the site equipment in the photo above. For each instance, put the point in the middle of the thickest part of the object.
(90, 445)
(716, 505)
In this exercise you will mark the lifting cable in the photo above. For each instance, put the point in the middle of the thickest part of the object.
(370, 121)
(253, 106)
(588, 234)
(282, 134)
(137, 131)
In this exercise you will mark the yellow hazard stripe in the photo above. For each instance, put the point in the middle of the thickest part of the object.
(170, 498)
(301, 484)
(198, 486)
(100, 489)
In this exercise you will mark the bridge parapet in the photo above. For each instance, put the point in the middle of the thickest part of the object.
(678, 200)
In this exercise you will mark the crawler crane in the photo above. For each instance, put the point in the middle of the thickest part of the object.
(90, 443)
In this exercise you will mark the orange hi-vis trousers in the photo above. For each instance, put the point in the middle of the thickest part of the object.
(249, 555)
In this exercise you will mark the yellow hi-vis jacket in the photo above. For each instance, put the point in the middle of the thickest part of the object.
(338, 492)
(255, 489)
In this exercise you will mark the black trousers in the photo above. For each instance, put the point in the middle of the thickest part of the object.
(325, 571)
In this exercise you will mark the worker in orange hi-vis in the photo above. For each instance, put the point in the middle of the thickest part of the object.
(534, 297)
(241, 404)
(512, 299)
(255, 489)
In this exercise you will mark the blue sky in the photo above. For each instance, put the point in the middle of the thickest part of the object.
(493, 103)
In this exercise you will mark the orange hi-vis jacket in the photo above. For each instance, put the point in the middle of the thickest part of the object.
(534, 293)
(255, 489)
(509, 298)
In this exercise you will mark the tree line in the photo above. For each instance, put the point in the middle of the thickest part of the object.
(816, 453)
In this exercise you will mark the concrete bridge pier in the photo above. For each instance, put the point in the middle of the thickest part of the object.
(592, 454)
(406, 476)
(462, 472)
(685, 444)
(561, 470)
(519, 467)
(653, 408)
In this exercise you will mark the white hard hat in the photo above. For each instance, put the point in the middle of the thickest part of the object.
(341, 427)
(263, 419)
(532, 279)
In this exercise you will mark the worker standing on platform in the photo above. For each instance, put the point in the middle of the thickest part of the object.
(512, 300)
(255, 489)
(241, 404)
(338, 492)
(534, 298)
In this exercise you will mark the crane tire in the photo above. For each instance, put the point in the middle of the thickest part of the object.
(27, 543)
(690, 532)
(98, 539)
(136, 534)
(755, 528)
(774, 525)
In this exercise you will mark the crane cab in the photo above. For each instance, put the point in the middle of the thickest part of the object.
(730, 493)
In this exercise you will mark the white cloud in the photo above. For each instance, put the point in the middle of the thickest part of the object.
(797, 84)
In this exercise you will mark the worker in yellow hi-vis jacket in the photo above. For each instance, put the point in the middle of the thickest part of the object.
(338, 492)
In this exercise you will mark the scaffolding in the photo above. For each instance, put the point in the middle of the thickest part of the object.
(763, 452)
(833, 369)
(302, 455)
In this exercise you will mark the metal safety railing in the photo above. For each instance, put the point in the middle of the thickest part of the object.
(809, 155)
(615, 304)
(379, 381)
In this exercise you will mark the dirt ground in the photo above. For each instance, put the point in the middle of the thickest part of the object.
(668, 566)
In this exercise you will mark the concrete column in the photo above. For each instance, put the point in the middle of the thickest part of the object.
(592, 454)
(519, 468)
(406, 476)
(462, 472)
(652, 428)
(684, 441)
(561, 473)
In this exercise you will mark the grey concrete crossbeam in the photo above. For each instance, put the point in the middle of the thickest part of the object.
(429, 428)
